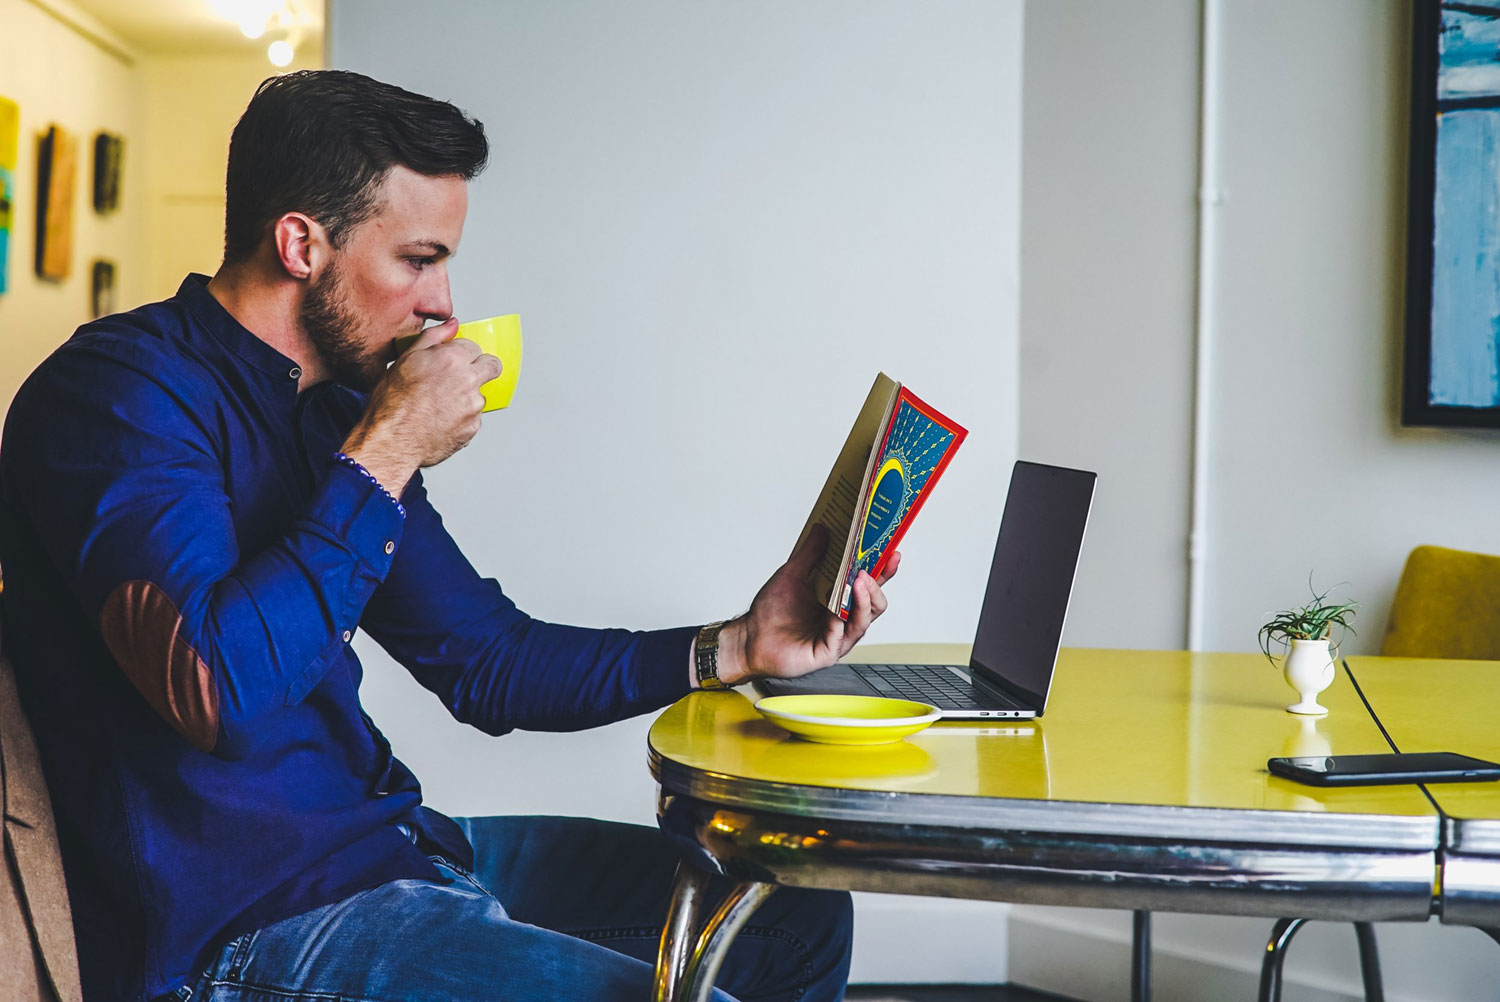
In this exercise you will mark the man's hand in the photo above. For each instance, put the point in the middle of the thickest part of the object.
(425, 409)
(788, 631)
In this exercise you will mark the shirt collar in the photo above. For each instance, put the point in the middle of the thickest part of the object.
(230, 332)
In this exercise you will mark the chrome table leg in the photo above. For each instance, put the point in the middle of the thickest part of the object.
(1369, 962)
(673, 954)
(1140, 957)
(686, 966)
(1270, 968)
(1281, 938)
(718, 933)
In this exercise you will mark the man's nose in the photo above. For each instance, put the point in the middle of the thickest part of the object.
(436, 302)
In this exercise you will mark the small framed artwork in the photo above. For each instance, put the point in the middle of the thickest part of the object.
(102, 295)
(1452, 363)
(7, 201)
(57, 168)
(10, 135)
(109, 155)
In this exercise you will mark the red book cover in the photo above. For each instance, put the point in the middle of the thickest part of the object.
(914, 450)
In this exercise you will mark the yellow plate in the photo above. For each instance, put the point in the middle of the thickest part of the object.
(847, 720)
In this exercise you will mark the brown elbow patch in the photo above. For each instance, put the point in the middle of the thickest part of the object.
(143, 630)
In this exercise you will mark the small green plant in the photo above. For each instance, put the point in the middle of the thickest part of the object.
(1313, 621)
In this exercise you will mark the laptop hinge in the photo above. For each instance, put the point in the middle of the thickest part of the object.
(980, 674)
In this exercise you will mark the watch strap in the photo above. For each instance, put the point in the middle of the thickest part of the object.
(706, 656)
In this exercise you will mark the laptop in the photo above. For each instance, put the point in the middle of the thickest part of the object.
(1020, 623)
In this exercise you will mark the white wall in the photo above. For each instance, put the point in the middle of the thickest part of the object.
(1108, 246)
(192, 103)
(58, 76)
(1315, 148)
(717, 221)
(1311, 272)
(1309, 468)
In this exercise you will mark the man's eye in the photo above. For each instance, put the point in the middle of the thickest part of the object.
(420, 262)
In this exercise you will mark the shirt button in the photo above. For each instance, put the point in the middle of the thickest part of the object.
(296, 372)
(347, 636)
(390, 546)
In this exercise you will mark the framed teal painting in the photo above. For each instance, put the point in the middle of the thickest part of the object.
(1452, 364)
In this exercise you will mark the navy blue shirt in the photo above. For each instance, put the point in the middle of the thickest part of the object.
(185, 563)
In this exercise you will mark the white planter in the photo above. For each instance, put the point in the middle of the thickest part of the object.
(1308, 668)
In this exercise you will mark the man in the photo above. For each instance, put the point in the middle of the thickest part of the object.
(201, 500)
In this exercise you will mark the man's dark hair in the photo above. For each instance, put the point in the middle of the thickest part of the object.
(322, 141)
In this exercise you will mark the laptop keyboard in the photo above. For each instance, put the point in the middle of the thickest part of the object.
(927, 684)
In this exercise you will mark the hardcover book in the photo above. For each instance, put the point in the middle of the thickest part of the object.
(894, 455)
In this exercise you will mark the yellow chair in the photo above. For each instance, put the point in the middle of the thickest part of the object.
(1447, 605)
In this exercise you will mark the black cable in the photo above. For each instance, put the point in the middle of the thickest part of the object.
(1387, 735)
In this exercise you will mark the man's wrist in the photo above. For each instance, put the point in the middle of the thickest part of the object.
(717, 658)
(732, 663)
(391, 470)
(349, 461)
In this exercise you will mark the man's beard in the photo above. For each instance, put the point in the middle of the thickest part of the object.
(332, 327)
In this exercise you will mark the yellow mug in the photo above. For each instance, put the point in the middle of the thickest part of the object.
(501, 337)
(498, 336)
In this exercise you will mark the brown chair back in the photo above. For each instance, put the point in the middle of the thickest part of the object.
(34, 910)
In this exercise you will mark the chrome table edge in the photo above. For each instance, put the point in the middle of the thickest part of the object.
(1361, 831)
(1227, 875)
(1472, 836)
(1470, 890)
(1471, 872)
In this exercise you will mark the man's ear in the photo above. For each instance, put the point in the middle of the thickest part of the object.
(300, 244)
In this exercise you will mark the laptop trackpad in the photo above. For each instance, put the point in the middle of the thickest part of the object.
(837, 679)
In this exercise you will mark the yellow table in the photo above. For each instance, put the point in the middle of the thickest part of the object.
(1428, 705)
(1143, 786)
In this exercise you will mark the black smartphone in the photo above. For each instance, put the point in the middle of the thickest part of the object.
(1368, 770)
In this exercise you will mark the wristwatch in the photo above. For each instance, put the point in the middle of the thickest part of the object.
(706, 656)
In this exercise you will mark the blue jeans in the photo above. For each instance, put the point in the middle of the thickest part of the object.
(557, 909)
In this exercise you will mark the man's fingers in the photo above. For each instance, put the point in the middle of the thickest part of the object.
(425, 338)
(868, 605)
(464, 345)
(892, 563)
(437, 333)
(861, 614)
(490, 367)
(878, 602)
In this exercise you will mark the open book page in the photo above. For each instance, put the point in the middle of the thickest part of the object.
(914, 450)
(839, 501)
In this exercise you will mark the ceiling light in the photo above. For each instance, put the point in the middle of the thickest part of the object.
(280, 52)
(254, 17)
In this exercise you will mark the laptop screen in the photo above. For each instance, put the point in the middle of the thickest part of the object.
(1031, 578)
